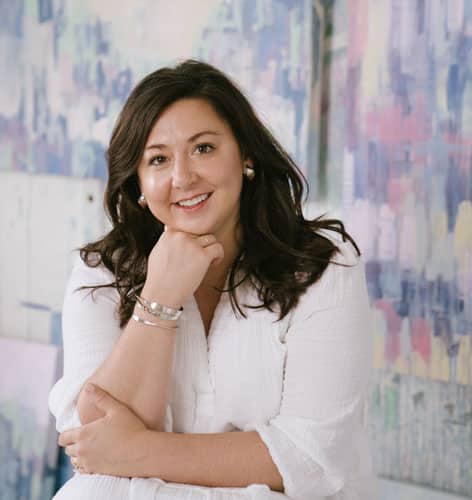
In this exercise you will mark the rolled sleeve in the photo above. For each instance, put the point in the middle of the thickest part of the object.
(318, 441)
(90, 330)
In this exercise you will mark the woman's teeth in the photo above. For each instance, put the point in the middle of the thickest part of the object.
(193, 201)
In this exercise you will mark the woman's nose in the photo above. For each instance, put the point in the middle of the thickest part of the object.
(183, 175)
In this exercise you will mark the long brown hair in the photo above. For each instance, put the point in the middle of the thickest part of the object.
(283, 253)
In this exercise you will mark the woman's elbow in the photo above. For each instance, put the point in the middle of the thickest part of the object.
(87, 410)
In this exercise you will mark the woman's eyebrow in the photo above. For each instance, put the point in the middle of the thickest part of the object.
(190, 139)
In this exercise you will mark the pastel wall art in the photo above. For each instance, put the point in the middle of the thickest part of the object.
(28, 451)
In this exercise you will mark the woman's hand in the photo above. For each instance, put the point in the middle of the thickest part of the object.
(110, 445)
(177, 265)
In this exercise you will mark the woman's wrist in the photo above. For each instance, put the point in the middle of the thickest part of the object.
(148, 317)
(146, 443)
(167, 298)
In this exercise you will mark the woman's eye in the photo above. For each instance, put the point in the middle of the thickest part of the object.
(204, 148)
(157, 160)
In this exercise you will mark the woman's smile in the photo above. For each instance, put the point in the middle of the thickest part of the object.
(193, 204)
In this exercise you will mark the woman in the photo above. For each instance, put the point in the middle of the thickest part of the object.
(226, 338)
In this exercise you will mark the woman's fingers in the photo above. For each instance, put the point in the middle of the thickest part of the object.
(72, 450)
(215, 251)
(177, 265)
(68, 437)
(210, 243)
(206, 240)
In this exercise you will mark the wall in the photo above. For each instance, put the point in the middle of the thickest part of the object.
(395, 159)
(384, 98)
(67, 67)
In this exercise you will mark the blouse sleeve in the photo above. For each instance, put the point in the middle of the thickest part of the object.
(90, 330)
(318, 441)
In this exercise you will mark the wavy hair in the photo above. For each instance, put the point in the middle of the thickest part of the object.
(282, 252)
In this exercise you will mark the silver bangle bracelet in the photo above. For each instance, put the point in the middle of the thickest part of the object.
(165, 317)
(138, 319)
(159, 310)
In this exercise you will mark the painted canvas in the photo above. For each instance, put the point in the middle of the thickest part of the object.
(395, 158)
(28, 451)
(68, 67)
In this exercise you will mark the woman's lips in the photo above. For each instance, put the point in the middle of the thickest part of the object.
(193, 208)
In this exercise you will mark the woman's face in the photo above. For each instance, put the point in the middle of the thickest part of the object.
(191, 170)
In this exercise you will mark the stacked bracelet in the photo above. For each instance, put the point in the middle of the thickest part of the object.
(138, 319)
(158, 310)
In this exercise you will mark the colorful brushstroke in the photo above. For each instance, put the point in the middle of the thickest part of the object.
(28, 453)
(69, 66)
(396, 154)
(422, 432)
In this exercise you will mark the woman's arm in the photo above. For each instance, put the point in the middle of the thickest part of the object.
(137, 371)
(96, 348)
(226, 459)
(120, 445)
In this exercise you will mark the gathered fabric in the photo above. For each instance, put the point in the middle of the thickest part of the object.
(301, 383)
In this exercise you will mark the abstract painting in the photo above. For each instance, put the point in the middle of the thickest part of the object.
(395, 159)
(28, 451)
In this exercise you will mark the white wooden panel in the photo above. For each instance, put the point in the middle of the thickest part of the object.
(14, 252)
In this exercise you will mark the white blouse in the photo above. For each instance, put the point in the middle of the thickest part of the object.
(301, 383)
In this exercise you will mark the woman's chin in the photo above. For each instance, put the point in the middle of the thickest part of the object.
(190, 228)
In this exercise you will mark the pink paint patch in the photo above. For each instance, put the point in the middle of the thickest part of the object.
(391, 126)
(421, 338)
(358, 30)
(457, 140)
(392, 342)
(460, 148)
(419, 160)
(397, 190)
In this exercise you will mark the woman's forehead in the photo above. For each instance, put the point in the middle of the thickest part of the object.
(185, 120)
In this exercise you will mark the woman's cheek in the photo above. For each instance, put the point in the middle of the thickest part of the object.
(157, 189)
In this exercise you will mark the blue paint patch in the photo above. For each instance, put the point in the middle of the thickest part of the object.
(121, 85)
(35, 306)
(373, 274)
(316, 37)
(98, 168)
(81, 74)
(399, 81)
(420, 6)
(102, 45)
(455, 192)
(64, 469)
(452, 86)
(45, 10)
(56, 328)
(59, 26)
(100, 78)
(11, 18)
(467, 12)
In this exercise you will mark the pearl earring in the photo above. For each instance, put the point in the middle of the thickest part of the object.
(249, 172)
(142, 201)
